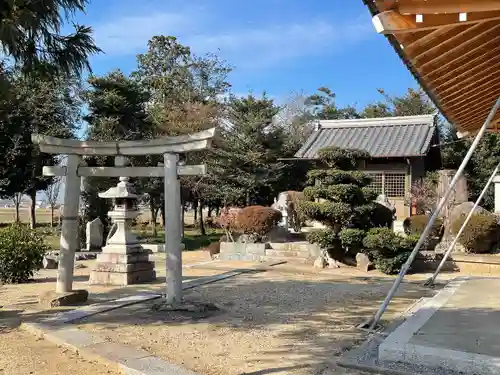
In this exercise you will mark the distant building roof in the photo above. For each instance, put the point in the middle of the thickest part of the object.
(380, 137)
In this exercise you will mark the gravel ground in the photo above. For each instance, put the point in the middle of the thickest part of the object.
(277, 322)
(22, 353)
(25, 296)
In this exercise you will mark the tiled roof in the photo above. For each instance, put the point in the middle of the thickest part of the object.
(380, 137)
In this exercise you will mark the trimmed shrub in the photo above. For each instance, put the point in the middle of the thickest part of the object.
(324, 238)
(257, 220)
(387, 250)
(480, 235)
(415, 225)
(21, 253)
(352, 239)
(373, 215)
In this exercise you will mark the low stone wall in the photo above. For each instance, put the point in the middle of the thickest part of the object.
(157, 247)
(302, 252)
(472, 264)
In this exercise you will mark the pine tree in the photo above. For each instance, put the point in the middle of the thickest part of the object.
(339, 197)
(246, 159)
(116, 111)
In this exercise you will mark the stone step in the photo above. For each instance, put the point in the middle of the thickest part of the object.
(290, 246)
(287, 253)
(287, 259)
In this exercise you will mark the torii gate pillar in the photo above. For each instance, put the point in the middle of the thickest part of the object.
(170, 147)
(69, 242)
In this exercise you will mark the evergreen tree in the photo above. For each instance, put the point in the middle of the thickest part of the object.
(322, 106)
(184, 91)
(33, 104)
(116, 111)
(338, 196)
(246, 157)
(31, 36)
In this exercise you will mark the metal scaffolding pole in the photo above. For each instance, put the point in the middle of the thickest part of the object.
(433, 218)
(431, 280)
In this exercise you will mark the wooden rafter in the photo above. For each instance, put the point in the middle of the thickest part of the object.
(427, 39)
(453, 49)
(438, 6)
(479, 112)
(477, 120)
(471, 100)
(472, 82)
(454, 41)
(435, 69)
(393, 22)
(463, 43)
(472, 110)
(470, 66)
(448, 57)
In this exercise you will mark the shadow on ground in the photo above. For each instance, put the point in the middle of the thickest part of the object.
(265, 318)
(273, 322)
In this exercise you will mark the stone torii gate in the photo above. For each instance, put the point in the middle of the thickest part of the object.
(169, 147)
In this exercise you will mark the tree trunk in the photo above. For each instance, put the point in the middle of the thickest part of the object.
(52, 216)
(33, 209)
(210, 209)
(202, 226)
(248, 198)
(18, 217)
(195, 209)
(182, 222)
(152, 221)
(217, 211)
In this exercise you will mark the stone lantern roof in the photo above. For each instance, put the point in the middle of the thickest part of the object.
(123, 189)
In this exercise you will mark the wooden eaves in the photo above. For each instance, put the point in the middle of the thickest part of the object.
(453, 50)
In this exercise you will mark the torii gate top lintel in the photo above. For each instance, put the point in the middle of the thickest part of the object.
(178, 144)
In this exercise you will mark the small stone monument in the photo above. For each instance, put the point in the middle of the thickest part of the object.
(123, 261)
(94, 232)
(280, 204)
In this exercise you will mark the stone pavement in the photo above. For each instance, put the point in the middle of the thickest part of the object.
(455, 332)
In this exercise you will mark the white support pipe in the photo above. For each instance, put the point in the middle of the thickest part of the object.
(433, 218)
(431, 280)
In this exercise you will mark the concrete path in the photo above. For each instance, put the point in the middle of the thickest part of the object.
(455, 332)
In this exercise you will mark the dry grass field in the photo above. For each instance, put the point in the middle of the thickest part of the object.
(8, 215)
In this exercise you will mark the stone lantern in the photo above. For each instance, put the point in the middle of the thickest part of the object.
(123, 261)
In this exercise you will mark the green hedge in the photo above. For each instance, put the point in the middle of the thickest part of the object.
(415, 225)
(480, 235)
(387, 250)
(21, 253)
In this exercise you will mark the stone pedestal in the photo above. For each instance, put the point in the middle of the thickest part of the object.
(123, 261)
(123, 269)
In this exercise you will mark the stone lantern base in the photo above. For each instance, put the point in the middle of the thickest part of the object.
(119, 268)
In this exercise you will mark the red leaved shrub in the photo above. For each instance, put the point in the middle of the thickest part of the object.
(258, 220)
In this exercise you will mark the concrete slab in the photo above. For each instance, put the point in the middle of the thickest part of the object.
(132, 361)
(152, 366)
(473, 311)
(365, 357)
(457, 330)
